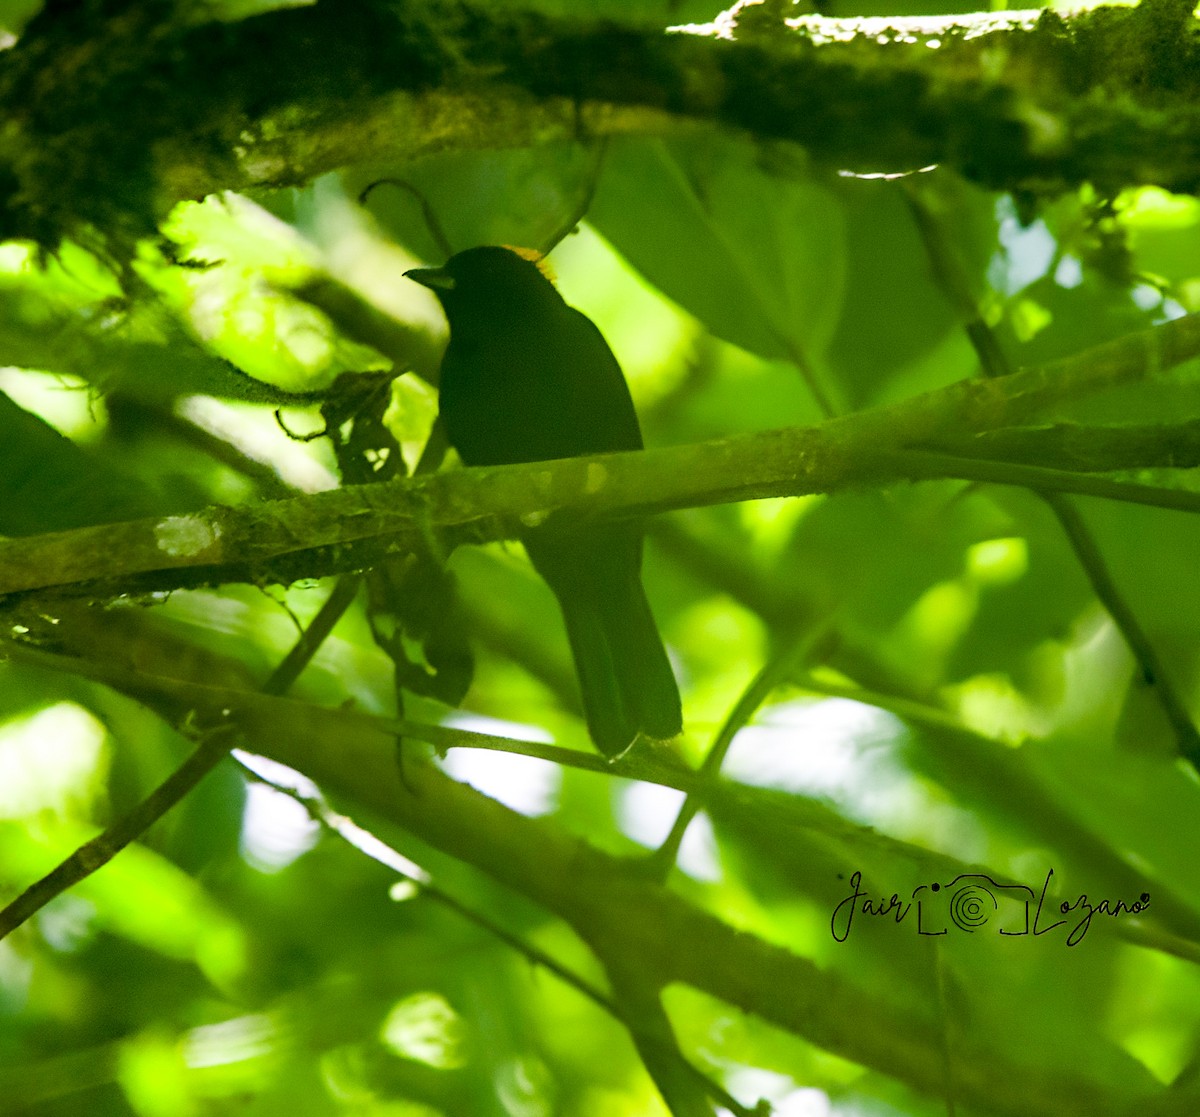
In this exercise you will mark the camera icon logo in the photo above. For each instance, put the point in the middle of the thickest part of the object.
(972, 902)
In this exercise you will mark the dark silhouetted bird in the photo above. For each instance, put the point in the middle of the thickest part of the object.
(527, 378)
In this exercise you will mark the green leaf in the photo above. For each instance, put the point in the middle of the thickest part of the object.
(521, 197)
(50, 484)
(756, 256)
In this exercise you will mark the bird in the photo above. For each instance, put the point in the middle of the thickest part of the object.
(525, 378)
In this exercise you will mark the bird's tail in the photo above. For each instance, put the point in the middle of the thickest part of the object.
(624, 674)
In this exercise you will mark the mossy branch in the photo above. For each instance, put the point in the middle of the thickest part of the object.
(624, 915)
(358, 526)
(117, 110)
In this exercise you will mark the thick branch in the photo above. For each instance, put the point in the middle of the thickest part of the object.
(617, 908)
(357, 526)
(117, 110)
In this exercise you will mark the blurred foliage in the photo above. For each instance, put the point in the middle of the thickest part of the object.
(972, 704)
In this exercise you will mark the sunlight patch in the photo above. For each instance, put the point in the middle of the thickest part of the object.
(53, 760)
(425, 1027)
(646, 813)
(523, 783)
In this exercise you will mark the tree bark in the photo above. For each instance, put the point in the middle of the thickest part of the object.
(115, 111)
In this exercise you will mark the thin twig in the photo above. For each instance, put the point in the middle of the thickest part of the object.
(432, 225)
(952, 278)
(1153, 670)
(214, 746)
(215, 741)
(335, 606)
(1046, 482)
(774, 672)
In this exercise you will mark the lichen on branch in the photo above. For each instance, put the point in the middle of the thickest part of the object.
(115, 111)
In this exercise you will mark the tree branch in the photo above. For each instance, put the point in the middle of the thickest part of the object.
(117, 110)
(358, 526)
(214, 742)
(995, 364)
(622, 913)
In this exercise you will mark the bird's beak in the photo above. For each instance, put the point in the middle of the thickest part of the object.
(436, 279)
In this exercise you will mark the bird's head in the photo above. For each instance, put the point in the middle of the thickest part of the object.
(491, 280)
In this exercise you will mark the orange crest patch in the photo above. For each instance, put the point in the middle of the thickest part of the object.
(534, 257)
